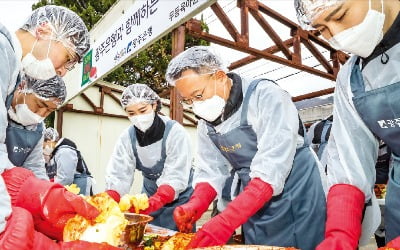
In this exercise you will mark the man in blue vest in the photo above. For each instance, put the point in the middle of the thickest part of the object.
(253, 128)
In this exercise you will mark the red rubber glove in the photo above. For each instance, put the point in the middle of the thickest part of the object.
(187, 214)
(345, 205)
(132, 209)
(114, 194)
(50, 204)
(395, 244)
(164, 195)
(219, 229)
(19, 231)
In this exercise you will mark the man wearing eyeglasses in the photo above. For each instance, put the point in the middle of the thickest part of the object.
(250, 127)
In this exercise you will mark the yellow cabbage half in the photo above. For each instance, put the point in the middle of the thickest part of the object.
(107, 227)
(138, 201)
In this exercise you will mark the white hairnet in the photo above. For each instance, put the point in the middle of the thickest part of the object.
(50, 134)
(308, 10)
(198, 58)
(138, 93)
(45, 89)
(66, 25)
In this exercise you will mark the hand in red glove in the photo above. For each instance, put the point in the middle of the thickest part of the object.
(164, 195)
(395, 244)
(50, 204)
(218, 230)
(345, 205)
(187, 214)
(132, 209)
(19, 231)
(114, 194)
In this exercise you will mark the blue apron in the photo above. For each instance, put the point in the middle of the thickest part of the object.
(296, 217)
(82, 181)
(324, 137)
(51, 170)
(380, 110)
(82, 176)
(164, 216)
(20, 141)
(227, 189)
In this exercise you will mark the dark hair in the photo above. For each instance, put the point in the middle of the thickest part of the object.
(158, 108)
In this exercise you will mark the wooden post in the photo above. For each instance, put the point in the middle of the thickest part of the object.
(60, 114)
(178, 45)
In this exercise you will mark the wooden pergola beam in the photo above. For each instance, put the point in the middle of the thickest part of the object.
(313, 94)
(244, 17)
(252, 51)
(315, 52)
(275, 15)
(107, 88)
(249, 59)
(88, 101)
(219, 12)
(271, 33)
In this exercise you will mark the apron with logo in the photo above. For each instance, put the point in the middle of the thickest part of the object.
(380, 110)
(164, 216)
(296, 217)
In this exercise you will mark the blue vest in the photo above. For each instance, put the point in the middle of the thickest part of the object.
(20, 141)
(322, 132)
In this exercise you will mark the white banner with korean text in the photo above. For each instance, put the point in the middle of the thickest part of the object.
(142, 24)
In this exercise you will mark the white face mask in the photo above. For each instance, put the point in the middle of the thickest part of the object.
(38, 69)
(24, 115)
(143, 122)
(211, 108)
(48, 150)
(361, 39)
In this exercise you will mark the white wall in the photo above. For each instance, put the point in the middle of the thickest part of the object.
(317, 113)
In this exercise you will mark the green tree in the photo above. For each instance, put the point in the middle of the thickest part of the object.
(148, 66)
(89, 10)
